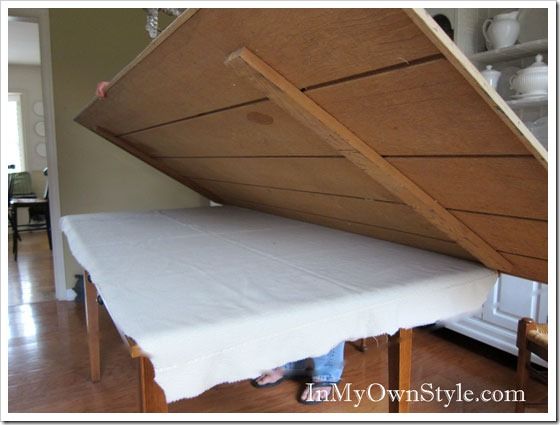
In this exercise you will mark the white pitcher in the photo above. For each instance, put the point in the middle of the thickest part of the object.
(501, 31)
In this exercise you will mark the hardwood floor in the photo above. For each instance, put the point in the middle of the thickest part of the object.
(48, 361)
(31, 278)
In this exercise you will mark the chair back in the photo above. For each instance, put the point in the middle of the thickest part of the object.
(19, 184)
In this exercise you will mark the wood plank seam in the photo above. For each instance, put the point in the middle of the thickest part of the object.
(192, 117)
(156, 164)
(373, 72)
(288, 189)
(365, 74)
(342, 220)
(457, 59)
(282, 92)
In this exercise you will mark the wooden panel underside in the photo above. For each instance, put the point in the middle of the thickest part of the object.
(528, 267)
(506, 234)
(418, 241)
(322, 175)
(509, 234)
(397, 112)
(506, 186)
(388, 215)
(376, 73)
(186, 76)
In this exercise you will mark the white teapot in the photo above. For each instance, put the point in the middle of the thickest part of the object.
(532, 80)
(502, 30)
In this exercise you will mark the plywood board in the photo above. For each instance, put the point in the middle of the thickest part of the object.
(511, 186)
(185, 75)
(390, 76)
(322, 175)
(418, 241)
(259, 129)
(510, 234)
(423, 109)
(387, 215)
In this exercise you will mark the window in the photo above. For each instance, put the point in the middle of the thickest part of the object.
(15, 152)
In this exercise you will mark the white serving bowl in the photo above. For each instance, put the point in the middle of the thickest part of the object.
(531, 80)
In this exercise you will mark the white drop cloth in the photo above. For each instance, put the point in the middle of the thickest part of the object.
(221, 294)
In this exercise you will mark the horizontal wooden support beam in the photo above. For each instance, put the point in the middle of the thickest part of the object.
(283, 93)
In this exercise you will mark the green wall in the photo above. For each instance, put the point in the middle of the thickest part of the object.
(88, 46)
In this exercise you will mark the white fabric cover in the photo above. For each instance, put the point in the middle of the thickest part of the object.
(221, 294)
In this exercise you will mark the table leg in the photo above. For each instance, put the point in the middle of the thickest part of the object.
(523, 360)
(400, 363)
(363, 345)
(15, 232)
(92, 321)
(48, 218)
(152, 397)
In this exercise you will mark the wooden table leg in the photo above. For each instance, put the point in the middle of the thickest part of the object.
(152, 397)
(15, 232)
(92, 322)
(363, 345)
(523, 360)
(400, 366)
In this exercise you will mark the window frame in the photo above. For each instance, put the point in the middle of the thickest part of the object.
(18, 96)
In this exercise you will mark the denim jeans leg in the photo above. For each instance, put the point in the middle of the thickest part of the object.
(328, 368)
(297, 368)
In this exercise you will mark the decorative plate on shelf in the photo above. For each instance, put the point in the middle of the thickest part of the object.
(533, 96)
(41, 150)
(40, 129)
(38, 108)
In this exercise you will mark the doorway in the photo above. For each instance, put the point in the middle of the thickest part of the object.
(36, 273)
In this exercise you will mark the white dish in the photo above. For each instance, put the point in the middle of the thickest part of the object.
(539, 128)
(503, 84)
(533, 24)
(529, 95)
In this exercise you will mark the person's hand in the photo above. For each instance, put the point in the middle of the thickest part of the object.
(101, 89)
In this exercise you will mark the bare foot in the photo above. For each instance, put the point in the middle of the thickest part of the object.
(271, 377)
(316, 393)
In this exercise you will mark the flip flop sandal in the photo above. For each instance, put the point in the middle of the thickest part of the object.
(316, 385)
(255, 382)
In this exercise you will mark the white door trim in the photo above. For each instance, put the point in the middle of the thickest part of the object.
(41, 16)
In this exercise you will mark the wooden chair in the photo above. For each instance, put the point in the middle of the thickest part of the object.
(38, 205)
(532, 337)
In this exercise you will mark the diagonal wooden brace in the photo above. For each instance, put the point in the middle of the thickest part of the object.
(284, 94)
